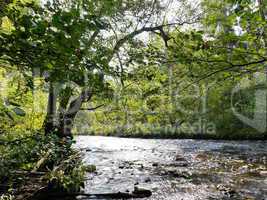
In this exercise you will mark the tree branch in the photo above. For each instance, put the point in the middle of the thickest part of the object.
(90, 109)
(139, 31)
(224, 69)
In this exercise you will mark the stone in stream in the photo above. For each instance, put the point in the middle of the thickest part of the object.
(141, 167)
(147, 180)
(226, 190)
(173, 172)
(88, 150)
(263, 173)
(177, 164)
(126, 165)
(202, 157)
(90, 168)
(121, 167)
(137, 193)
(141, 192)
(179, 157)
(181, 164)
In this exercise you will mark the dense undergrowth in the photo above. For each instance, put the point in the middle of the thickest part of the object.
(21, 160)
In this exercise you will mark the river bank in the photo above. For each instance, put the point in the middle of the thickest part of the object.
(182, 136)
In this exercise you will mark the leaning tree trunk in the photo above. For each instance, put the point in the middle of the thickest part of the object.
(63, 124)
(67, 118)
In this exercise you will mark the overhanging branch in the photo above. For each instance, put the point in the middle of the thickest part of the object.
(91, 109)
(232, 66)
(144, 29)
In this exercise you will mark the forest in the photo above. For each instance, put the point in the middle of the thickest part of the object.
(80, 78)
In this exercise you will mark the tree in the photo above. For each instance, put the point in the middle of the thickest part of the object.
(227, 46)
(77, 41)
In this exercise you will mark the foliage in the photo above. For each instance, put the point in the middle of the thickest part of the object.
(69, 176)
(23, 153)
(19, 110)
(61, 59)
(7, 197)
(62, 172)
(163, 94)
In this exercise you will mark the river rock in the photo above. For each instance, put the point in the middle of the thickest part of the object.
(147, 180)
(141, 192)
(178, 174)
(121, 166)
(226, 190)
(88, 150)
(126, 165)
(179, 157)
(178, 164)
(90, 168)
(202, 157)
(141, 167)
(263, 173)
(182, 164)
(136, 183)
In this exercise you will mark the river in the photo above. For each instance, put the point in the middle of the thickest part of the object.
(177, 169)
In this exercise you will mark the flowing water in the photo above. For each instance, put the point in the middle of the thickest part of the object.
(177, 169)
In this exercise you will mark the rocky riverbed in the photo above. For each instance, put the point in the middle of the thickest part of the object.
(177, 169)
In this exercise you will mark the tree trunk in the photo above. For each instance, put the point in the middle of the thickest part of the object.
(63, 125)
(67, 119)
(49, 123)
(63, 104)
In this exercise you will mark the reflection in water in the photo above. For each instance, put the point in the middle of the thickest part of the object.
(177, 169)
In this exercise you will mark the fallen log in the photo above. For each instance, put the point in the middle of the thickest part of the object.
(28, 173)
(41, 161)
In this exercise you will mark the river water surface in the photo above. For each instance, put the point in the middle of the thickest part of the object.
(177, 169)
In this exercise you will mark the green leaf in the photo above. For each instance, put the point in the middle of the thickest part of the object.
(7, 25)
